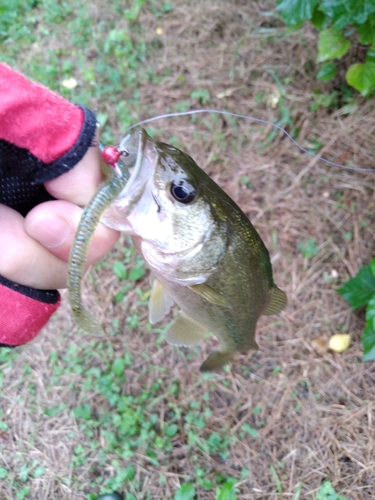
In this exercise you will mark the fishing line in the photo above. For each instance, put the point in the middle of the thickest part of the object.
(249, 118)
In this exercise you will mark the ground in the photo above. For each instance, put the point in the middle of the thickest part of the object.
(82, 414)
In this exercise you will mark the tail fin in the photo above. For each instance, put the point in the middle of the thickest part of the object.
(277, 303)
(215, 361)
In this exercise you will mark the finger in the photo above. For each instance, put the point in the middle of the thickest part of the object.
(80, 183)
(24, 260)
(54, 223)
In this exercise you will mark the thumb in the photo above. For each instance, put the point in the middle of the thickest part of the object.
(54, 224)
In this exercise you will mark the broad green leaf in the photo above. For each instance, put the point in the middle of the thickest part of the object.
(368, 342)
(370, 313)
(370, 56)
(341, 13)
(327, 72)
(360, 10)
(319, 19)
(366, 32)
(358, 291)
(337, 12)
(332, 44)
(361, 76)
(185, 492)
(372, 266)
(296, 11)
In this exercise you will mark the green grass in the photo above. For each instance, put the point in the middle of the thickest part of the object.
(104, 54)
(118, 424)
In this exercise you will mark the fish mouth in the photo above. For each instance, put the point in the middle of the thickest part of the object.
(140, 161)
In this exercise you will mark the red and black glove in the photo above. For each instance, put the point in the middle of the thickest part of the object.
(41, 137)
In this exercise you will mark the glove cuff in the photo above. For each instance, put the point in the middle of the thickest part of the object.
(24, 311)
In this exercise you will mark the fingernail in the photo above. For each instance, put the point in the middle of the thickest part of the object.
(51, 232)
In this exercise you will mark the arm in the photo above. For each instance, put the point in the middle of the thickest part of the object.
(49, 134)
(42, 136)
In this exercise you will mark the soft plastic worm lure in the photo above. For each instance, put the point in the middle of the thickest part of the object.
(89, 220)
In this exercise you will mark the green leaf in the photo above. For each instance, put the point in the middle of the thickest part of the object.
(227, 492)
(361, 10)
(372, 267)
(203, 95)
(327, 72)
(361, 76)
(327, 492)
(319, 19)
(21, 494)
(185, 492)
(366, 33)
(368, 342)
(39, 471)
(332, 44)
(250, 430)
(358, 291)
(3, 473)
(118, 366)
(82, 411)
(308, 248)
(296, 11)
(23, 474)
(370, 313)
(171, 430)
(341, 13)
(136, 274)
(370, 56)
(119, 269)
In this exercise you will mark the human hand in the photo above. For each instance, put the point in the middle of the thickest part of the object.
(35, 250)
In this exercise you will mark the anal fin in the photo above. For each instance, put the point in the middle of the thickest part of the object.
(185, 331)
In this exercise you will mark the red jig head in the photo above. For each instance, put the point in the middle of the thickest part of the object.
(111, 156)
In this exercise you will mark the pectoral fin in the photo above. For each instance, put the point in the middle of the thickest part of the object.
(210, 294)
(160, 302)
(215, 361)
(185, 331)
(277, 302)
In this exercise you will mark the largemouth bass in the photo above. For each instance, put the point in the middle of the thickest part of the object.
(203, 252)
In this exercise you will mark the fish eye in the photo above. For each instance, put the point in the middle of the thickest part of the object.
(183, 191)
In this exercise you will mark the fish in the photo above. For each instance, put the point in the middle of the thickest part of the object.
(204, 254)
